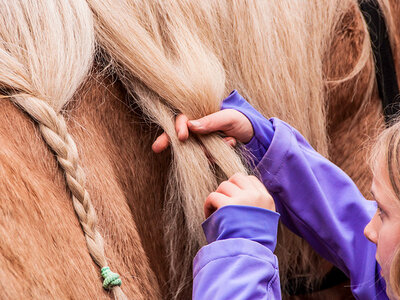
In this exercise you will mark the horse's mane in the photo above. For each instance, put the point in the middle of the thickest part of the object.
(47, 50)
(192, 54)
(175, 57)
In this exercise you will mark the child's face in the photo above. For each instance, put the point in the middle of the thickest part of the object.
(384, 228)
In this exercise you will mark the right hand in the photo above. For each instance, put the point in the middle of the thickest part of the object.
(235, 125)
(240, 189)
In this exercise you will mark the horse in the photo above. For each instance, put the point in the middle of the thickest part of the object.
(86, 86)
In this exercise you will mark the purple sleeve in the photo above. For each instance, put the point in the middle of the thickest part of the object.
(239, 262)
(263, 130)
(317, 201)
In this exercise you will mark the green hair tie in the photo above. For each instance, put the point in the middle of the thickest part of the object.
(110, 278)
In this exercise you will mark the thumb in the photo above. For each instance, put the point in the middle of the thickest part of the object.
(219, 121)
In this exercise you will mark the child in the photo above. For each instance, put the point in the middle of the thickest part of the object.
(315, 199)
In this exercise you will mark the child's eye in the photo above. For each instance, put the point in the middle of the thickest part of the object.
(381, 212)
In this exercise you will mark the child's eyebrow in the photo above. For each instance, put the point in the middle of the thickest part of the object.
(373, 195)
(376, 200)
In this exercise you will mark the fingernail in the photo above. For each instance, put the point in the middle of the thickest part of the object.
(195, 123)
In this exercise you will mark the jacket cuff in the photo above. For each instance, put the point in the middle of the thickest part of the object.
(263, 129)
(232, 248)
(240, 221)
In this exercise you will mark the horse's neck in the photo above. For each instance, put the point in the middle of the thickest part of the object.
(348, 130)
(126, 179)
(351, 119)
(125, 182)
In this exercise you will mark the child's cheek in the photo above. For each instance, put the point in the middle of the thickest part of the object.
(388, 243)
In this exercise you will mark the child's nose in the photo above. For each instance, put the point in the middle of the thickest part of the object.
(370, 231)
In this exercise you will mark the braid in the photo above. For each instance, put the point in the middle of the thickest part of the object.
(53, 128)
(46, 51)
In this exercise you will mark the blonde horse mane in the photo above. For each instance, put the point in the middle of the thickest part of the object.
(46, 53)
(183, 56)
(191, 54)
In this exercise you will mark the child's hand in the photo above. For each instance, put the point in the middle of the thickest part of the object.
(231, 122)
(240, 189)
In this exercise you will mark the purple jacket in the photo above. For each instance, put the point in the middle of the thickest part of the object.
(314, 198)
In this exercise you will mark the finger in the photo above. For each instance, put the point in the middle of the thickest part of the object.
(219, 121)
(230, 141)
(215, 201)
(161, 143)
(181, 127)
(241, 180)
(228, 188)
